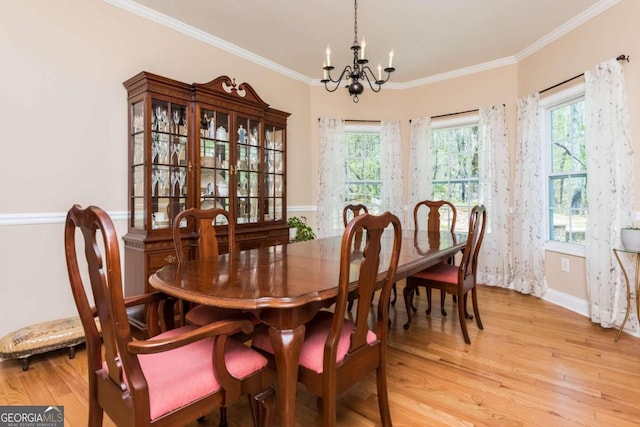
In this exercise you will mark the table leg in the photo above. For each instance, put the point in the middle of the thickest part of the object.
(286, 348)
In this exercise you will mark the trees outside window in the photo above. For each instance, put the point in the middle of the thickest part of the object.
(567, 172)
(363, 180)
(454, 156)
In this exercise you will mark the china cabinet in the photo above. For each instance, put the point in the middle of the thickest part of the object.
(200, 145)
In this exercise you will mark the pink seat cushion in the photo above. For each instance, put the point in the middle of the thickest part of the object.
(312, 350)
(178, 377)
(204, 315)
(441, 272)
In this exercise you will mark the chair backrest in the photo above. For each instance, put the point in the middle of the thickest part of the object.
(469, 262)
(351, 211)
(205, 222)
(364, 266)
(434, 217)
(103, 260)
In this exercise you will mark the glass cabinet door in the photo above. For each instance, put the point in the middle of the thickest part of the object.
(274, 158)
(169, 164)
(165, 161)
(215, 159)
(248, 146)
(137, 182)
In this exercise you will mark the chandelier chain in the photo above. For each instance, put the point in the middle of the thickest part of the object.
(355, 22)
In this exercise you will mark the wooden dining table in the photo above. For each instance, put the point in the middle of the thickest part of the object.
(285, 286)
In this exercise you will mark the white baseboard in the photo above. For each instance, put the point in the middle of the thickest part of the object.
(574, 304)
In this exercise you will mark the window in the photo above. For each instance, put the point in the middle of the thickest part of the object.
(566, 171)
(363, 180)
(454, 157)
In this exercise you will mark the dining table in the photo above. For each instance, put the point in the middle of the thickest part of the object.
(284, 286)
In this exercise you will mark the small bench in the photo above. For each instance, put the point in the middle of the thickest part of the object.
(43, 337)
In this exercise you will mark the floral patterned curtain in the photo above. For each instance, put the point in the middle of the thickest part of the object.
(611, 196)
(494, 267)
(528, 201)
(331, 176)
(391, 168)
(420, 187)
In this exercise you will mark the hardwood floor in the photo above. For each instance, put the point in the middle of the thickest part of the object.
(535, 364)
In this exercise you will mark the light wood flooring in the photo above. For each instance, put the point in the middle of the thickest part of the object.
(535, 364)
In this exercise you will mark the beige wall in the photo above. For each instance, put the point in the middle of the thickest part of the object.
(63, 112)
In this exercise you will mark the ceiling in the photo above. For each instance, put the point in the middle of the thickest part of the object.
(429, 37)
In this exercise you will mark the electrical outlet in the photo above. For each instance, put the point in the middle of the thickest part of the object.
(564, 264)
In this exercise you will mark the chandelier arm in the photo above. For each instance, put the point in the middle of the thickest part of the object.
(365, 76)
(346, 71)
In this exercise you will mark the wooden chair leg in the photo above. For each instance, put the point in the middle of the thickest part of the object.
(263, 408)
(474, 299)
(467, 315)
(383, 398)
(223, 417)
(428, 291)
(443, 296)
(329, 405)
(395, 294)
(408, 303)
(463, 321)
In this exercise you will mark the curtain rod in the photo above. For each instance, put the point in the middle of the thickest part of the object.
(619, 58)
(359, 121)
(452, 114)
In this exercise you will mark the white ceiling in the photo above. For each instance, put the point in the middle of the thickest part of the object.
(430, 38)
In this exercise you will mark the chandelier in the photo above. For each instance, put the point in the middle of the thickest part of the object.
(360, 71)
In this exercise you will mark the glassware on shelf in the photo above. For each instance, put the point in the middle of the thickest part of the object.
(176, 120)
(163, 179)
(221, 133)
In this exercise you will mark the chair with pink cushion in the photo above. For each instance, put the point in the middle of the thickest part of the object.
(457, 280)
(338, 352)
(436, 209)
(175, 377)
(205, 226)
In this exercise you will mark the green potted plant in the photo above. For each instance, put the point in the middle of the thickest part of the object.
(302, 230)
(630, 237)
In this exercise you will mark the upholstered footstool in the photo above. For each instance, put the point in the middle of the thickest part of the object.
(43, 337)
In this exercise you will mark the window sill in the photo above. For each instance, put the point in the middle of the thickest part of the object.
(565, 248)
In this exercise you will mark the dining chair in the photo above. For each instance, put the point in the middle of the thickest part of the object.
(204, 242)
(337, 352)
(436, 209)
(348, 213)
(352, 210)
(456, 280)
(175, 377)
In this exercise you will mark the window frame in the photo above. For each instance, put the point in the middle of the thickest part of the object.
(374, 129)
(467, 120)
(559, 99)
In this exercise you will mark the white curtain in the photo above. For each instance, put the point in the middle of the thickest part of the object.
(391, 168)
(494, 267)
(528, 201)
(610, 190)
(420, 187)
(331, 176)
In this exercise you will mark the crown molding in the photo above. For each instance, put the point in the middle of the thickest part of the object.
(510, 60)
(188, 30)
(159, 18)
(567, 27)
